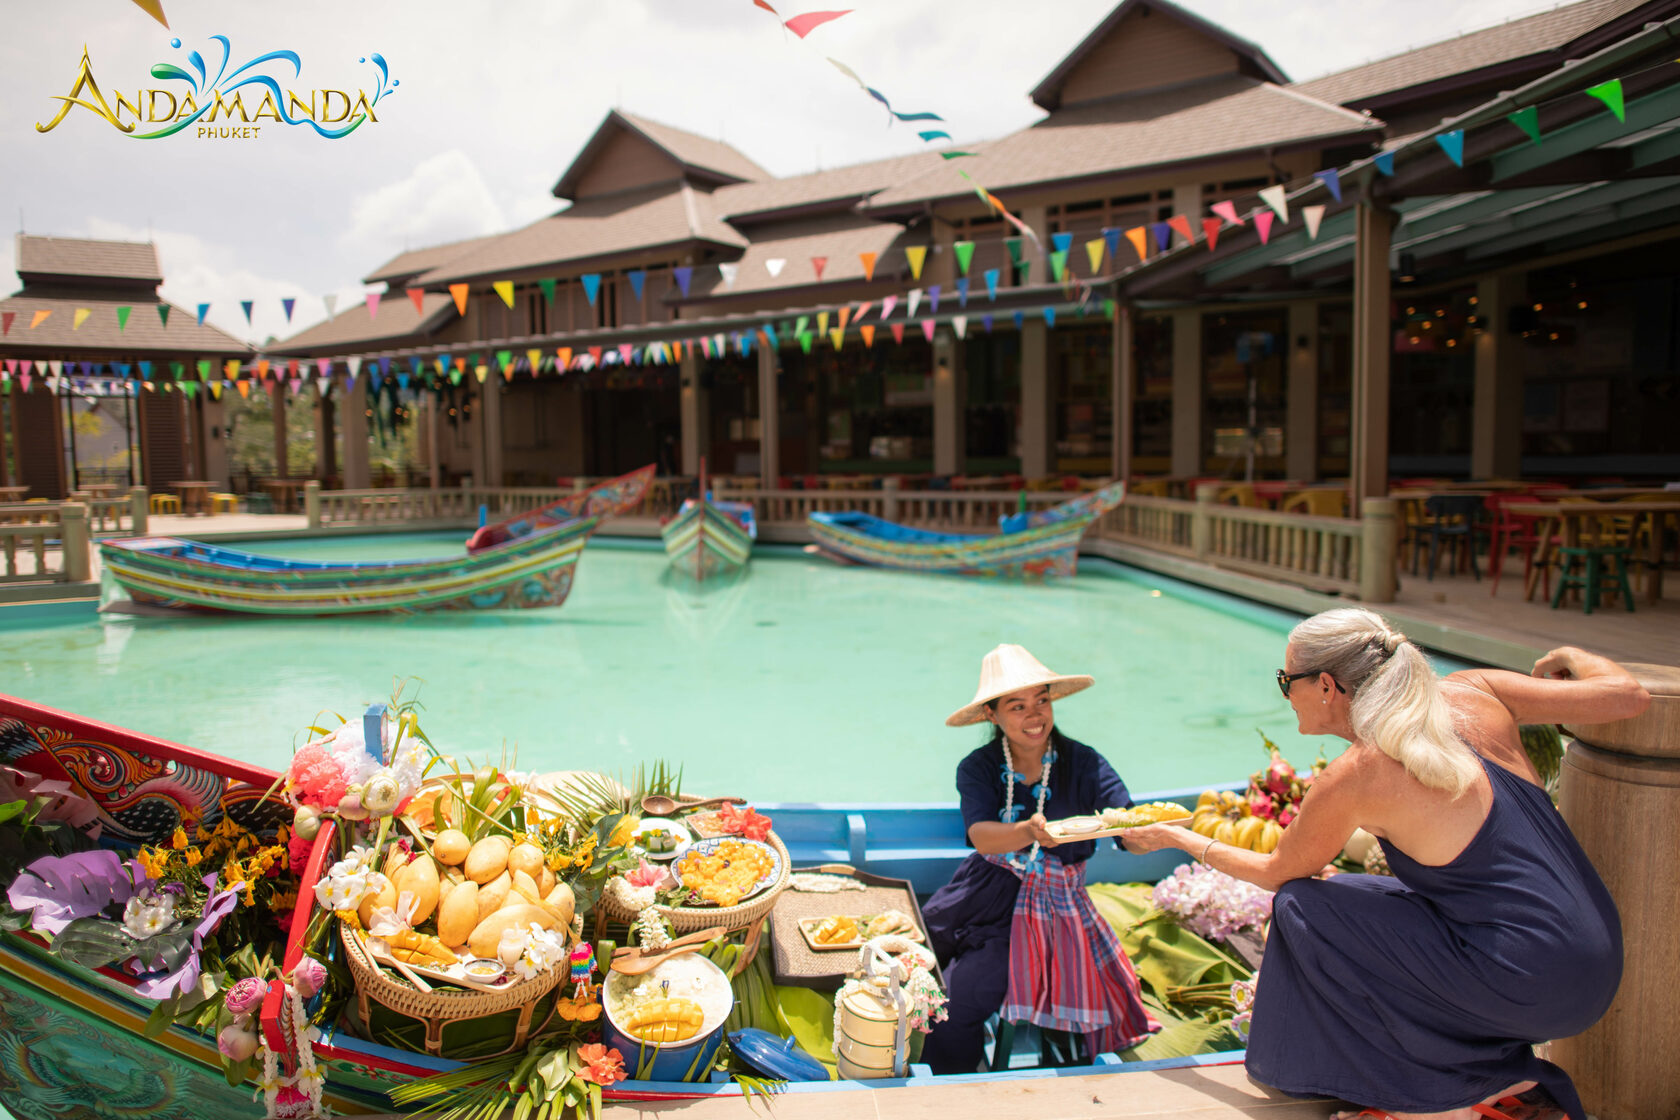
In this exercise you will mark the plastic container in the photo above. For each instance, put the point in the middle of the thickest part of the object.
(867, 1044)
(688, 1060)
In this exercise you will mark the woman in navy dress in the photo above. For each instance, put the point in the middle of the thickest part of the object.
(1423, 995)
(1014, 929)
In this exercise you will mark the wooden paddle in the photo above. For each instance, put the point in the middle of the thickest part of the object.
(633, 961)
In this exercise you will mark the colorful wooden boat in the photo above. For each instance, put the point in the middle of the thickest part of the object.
(1026, 549)
(603, 500)
(529, 571)
(73, 1044)
(708, 538)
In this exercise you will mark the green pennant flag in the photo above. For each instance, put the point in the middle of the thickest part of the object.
(1013, 244)
(122, 317)
(1058, 264)
(1611, 94)
(1025, 269)
(163, 313)
(955, 155)
(204, 369)
(965, 253)
(799, 327)
(1109, 308)
(177, 370)
(454, 376)
(1528, 120)
(190, 388)
(547, 287)
(503, 358)
(805, 338)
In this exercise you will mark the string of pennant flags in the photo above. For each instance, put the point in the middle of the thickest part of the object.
(831, 325)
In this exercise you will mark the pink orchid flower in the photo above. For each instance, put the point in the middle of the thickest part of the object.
(646, 875)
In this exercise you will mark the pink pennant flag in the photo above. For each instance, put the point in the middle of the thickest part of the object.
(818, 264)
(898, 333)
(887, 305)
(23, 379)
(373, 305)
(803, 25)
(1228, 211)
(1263, 224)
(927, 328)
(624, 353)
(863, 309)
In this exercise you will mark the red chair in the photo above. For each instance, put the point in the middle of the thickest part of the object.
(1512, 531)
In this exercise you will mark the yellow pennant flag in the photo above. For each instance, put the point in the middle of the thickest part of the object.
(481, 372)
(216, 389)
(916, 255)
(868, 332)
(82, 314)
(40, 317)
(504, 288)
(837, 334)
(230, 369)
(535, 358)
(1094, 250)
(822, 322)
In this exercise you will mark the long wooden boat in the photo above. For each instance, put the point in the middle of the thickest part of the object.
(534, 570)
(602, 500)
(707, 538)
(1045, 548)
(73, 1043)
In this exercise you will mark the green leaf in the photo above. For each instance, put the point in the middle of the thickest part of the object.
(160, 1020)
(555, 1070)
(97, 942)
(522, 1110)
(12, 809)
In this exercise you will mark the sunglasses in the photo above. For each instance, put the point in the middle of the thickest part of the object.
(1286, 679)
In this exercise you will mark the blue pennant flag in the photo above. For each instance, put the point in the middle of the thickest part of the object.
(987, 321)
(145, 371)
(1049, 316)
(1453, 144)
(684, 276)
(638, 277)
(1163, 235)
(991, 283)
(962, 291)
(287, 305)
(1111, 234)
(245, 305)
(1384, 162)
(1331, 178)
(1020, 320)
(1062, 241)
(591, 285)
(203, 310)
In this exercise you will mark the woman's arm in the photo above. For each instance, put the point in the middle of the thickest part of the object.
(1328, 817)
(1569, 685)
(994, 838)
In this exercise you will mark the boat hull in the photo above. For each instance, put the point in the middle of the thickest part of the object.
(1047, 552)
(706, 541)
(603, 500)
(528, 572)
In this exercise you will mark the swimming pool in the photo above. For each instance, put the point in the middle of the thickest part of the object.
(801, 681)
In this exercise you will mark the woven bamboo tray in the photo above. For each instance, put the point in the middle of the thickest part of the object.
(443, 1004)
(687, 919)
(796, 962)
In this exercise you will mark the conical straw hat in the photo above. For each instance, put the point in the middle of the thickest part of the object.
(1010, 668)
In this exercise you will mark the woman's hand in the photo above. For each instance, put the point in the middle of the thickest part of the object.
(1154, 837)
(1035, 825)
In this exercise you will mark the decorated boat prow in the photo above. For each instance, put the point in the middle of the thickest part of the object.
(534, 570)
(1045, 548)
(707, 538)
(604, 500)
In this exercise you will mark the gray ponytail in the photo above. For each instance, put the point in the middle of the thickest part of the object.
(1396, 702)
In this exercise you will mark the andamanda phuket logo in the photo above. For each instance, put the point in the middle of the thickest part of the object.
(226, 107)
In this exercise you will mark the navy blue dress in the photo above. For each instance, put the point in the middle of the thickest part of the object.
(968, 919)
(1425, 992)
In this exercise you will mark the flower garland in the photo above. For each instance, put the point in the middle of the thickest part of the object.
(1010, 812)
(297, 1096)
(1210, 903)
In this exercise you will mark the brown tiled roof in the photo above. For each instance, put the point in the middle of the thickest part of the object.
(74, 256)
(711, 160)
(840, 239)
(673, 214)
(415, 261)
(838, 185)
(1473, 51)
(397, 319)
(1128, 135)
(145, 331)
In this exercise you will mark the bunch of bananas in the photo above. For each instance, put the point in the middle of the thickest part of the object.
(1224, 815)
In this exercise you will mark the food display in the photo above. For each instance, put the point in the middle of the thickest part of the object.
(1112, 822)
(679, 999)
(659, 839)
(731, 820)
(844, 931)
(722, 872)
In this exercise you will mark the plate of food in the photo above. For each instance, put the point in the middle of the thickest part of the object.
(1113, 822)
(659, 838)
(725, 870)
(847, 931)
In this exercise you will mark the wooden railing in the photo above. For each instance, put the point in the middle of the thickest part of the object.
(975, 510)
(44, 542)
(457, 505)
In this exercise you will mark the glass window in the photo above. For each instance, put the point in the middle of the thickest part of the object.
(1244, 393)
(1432, 384)
(1152, 338)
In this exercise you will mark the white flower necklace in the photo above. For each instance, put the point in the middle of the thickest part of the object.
(1008, 813)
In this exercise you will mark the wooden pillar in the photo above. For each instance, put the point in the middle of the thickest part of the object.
(1187, 459)
(490, 399)
(1187, 200)
(1496, 427)
(1300, 435)
(1036, 446)
(277, 405)
(326, 444)
(692, 404)
(1620, 793)
(1123, 392)
(769, 415)
(1373, 343)
(353, 415)
(950, 392)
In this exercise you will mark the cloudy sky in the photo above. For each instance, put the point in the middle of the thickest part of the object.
(495, 98)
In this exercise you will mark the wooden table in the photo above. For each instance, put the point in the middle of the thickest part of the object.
(12, 493)
(1564, 520)
(195, 496)
(284, 491)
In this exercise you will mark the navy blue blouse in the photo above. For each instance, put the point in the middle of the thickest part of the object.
(1081, 783)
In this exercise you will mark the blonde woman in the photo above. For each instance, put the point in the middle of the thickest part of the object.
(1422, 995)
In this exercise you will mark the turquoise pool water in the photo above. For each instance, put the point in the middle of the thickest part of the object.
(802, 681)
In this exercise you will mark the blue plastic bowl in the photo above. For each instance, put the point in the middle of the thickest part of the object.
(688, 1060)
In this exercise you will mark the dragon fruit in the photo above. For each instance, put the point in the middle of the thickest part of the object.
(1279, 774)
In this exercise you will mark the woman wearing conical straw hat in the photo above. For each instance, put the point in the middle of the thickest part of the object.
(1014, 929)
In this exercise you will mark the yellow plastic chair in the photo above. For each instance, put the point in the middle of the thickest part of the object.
(1239, 494)
(224, 503)
(165, 503)
(1317, 503)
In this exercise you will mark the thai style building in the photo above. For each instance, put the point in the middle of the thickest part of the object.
(1509, 312)
(88, 316)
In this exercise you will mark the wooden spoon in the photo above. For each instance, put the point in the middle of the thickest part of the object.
(658, 805)
(639, 962)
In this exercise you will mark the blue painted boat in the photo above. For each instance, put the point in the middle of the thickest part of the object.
(73, 1040)
(706, 537)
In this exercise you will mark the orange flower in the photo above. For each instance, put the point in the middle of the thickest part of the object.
(179, 840)
(605, 1066)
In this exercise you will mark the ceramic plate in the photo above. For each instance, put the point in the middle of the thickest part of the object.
(673, 829)
(808, 929)
(707, 847)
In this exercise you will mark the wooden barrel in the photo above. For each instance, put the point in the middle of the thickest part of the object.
(1620, 793)
(866, 1047)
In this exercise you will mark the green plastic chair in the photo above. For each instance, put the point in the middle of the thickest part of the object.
(1596, 564)
(259, 502)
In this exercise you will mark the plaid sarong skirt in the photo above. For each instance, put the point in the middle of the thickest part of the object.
(1067, 970)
